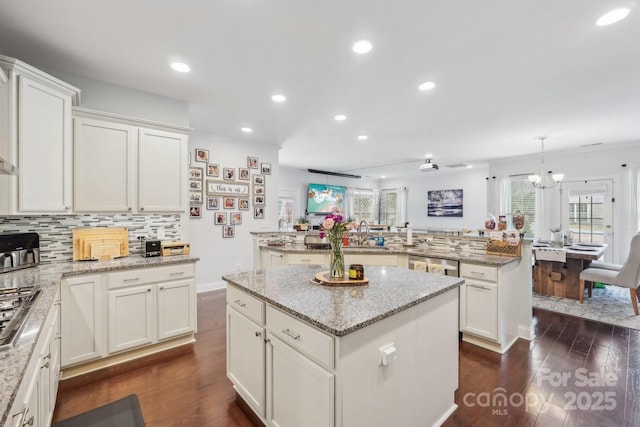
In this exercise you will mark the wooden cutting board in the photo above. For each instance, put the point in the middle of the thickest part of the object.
(100, 243)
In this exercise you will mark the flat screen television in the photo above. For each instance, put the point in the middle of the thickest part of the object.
(323, 198)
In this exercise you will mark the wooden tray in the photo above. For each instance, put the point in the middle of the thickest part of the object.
(100, 243)
(323, 278)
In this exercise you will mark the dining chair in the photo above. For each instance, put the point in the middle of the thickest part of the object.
(628, 276)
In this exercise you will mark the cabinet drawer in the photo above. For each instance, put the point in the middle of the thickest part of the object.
(319, 259)
(481, 272)
(303, 337)
(140, 276)
(246, 304)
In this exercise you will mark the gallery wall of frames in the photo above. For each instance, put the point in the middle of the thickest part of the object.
(229, 190)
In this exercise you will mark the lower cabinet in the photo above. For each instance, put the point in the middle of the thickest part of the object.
(282, 383)
(479, 309)
(36, 397)
(111, 313)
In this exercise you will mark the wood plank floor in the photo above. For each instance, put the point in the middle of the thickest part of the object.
(191, 389)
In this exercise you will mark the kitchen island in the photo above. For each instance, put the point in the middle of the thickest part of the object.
(381, 354)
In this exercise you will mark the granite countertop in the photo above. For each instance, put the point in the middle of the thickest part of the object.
(342, 310)
(13, 361)
(465, 256)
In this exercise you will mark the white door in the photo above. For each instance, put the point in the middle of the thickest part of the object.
(131, 318)
(176, 308)
(587, 209)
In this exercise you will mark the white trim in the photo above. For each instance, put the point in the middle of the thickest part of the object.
(211, 286)
(526, 332)
(128, 120)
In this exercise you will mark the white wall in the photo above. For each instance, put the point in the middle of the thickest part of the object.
(218, 255)
(471, 181)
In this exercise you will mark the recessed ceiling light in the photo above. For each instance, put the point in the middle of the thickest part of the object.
(612, 17)
(363, 137)
(469, 166)
(362, 46)
(181, 67)
(383, 176)
(246, 130)
(340, 118)
(428, 156)
(427, 86)
(278, 98)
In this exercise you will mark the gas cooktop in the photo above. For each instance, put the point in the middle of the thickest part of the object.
(15, 303)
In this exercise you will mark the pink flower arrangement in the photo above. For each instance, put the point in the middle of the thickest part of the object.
(335, 226)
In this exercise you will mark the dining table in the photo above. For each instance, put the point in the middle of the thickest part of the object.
(557, 270)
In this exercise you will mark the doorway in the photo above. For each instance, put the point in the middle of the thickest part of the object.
(587, 208)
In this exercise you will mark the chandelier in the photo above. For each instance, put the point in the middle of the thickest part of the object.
(545, 179)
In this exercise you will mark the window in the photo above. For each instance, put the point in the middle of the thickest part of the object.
(389, 207)
(520, 195)
(363, 207)
(586, 218)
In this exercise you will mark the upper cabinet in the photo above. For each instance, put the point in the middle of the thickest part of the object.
(128, 165)
(36, 136)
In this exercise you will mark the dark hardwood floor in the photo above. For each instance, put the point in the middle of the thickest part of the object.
(538, 380)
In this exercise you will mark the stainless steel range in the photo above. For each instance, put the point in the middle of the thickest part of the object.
(17, 250)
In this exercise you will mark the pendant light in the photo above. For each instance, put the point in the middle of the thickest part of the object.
(545, 179)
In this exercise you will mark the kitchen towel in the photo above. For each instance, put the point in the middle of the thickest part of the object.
(420, 266)
(436, 268)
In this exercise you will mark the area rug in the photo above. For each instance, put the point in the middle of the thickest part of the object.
(610, 304)
(121, 413)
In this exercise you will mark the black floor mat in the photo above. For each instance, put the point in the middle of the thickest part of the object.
(121, 413)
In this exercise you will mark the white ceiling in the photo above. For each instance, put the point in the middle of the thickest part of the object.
(506, 71)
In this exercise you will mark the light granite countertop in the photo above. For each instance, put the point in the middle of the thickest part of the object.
(465, 256)
(13, 361)
(342, 310)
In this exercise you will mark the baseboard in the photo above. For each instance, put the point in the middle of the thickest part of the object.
(211, 286)
(526, 332)
(446, 415)
(489, 345)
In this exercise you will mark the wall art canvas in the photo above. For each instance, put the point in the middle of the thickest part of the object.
(444, 203)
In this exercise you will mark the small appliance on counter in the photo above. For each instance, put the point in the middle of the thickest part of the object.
(19, 250)
(175, 248)
(152, 248)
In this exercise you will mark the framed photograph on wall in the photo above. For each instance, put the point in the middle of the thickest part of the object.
(195, 184)
(229, 202)
(220, 218)
(236, 218)
(195, 197)
(252, 162)
(229, 174)
(258, 190)
(213, 169)
(243, 204)
(258, 179)
(258, 213)
(444, 203)
(195, 212)
(228, 231)
(243, 174)
(258, 200)
(202, 155)
(265, 168)
(213, 203)
(195, 173)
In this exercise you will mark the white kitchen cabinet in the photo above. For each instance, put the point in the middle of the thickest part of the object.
(137, 168)
(104, 159)
(176, 308)
(488, 307)
(132, 318)
(299, 392)
(162, 171)
(35, 398)
(272, 259)
(82, 323)
(124, 314)
(36, 110)
(246, 359)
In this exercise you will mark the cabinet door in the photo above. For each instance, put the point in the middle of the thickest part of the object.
(176, 308)
(44, 148)
(81, 319)
(103, 166)
(162, 171)
(131, 318)
(246, 359)
(45, 409)
(299, 392)
(479, 309)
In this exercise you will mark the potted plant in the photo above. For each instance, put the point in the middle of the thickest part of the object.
(302, 224)
(556, 236)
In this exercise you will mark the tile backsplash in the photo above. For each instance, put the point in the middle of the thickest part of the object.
(55, 231)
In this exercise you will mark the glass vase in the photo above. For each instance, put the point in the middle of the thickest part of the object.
(336, 264)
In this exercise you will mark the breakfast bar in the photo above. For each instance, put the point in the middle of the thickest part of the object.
(385, 353)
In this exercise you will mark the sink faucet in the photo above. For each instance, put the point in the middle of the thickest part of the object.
(362, 238)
